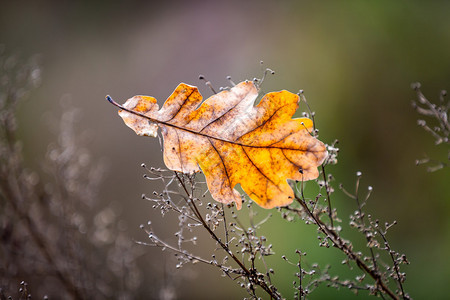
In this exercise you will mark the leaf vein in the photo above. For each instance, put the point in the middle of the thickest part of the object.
(223, 163)
(181, 106)
(259, 170)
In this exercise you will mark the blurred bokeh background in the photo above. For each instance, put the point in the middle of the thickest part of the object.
(355, 61)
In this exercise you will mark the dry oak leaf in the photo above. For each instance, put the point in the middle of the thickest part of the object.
(231, 140)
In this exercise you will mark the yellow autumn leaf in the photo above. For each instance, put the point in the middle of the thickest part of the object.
(232, 141)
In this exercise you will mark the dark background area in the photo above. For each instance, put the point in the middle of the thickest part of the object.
(355, 60)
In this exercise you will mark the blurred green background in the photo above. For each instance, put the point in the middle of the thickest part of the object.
(355, 60)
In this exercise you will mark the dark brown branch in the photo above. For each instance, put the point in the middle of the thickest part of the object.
(341, 245)
(250, 274)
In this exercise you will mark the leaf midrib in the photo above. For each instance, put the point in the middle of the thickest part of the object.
(196, 132)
